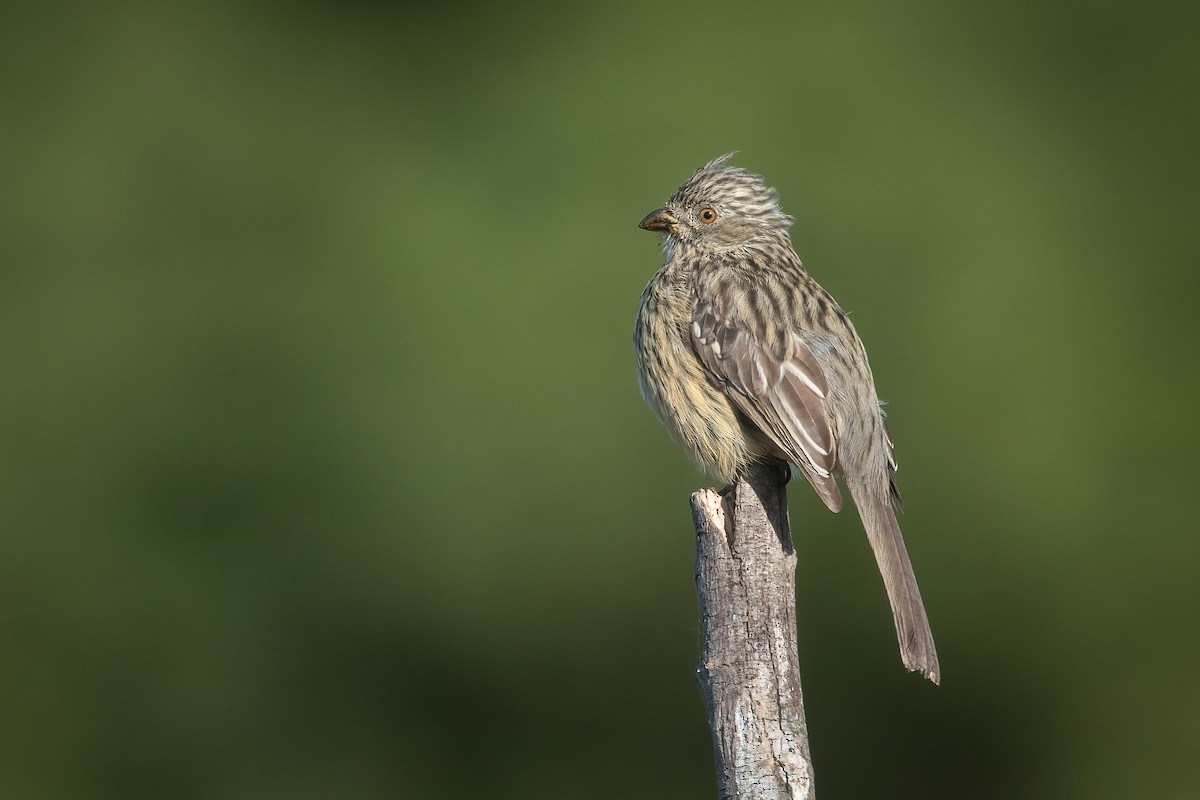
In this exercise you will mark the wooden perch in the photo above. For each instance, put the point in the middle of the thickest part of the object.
(749, 668)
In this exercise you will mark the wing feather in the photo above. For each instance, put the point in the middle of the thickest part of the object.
(783, 393)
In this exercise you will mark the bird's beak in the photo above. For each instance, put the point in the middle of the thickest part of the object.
(659, 220)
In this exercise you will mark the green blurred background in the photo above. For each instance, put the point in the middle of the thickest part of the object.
(324, 469)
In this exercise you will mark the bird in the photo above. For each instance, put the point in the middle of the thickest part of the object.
(746, 359)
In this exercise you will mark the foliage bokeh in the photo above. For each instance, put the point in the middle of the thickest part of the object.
(324, 468)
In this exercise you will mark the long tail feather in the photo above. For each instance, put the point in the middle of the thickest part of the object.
(912, 626)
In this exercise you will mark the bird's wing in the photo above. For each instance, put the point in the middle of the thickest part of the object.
(781, 390)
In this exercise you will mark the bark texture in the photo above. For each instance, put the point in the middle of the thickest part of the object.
(749, 668)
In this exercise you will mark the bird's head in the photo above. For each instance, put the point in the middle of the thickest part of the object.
(720, 208)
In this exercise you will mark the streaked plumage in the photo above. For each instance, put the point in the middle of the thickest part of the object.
(746, 358)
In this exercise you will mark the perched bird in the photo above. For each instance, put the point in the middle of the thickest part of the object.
(745, 358)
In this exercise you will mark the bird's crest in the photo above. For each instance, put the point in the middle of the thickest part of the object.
(732, 188)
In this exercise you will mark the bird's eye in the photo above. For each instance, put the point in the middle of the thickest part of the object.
(708, 215)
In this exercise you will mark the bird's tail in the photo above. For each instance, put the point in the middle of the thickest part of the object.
(912, 626)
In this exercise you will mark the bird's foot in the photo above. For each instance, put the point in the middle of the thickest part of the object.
(784, 472)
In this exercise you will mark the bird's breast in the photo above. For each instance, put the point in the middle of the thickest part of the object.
(673, 381)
